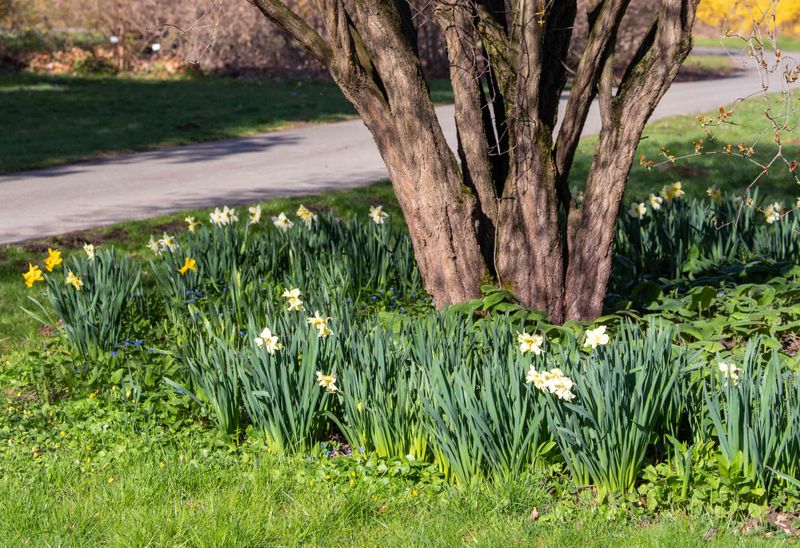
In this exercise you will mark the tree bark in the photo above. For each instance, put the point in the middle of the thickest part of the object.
(502, 208)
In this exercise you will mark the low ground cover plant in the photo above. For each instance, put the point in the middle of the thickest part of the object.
(311, 337)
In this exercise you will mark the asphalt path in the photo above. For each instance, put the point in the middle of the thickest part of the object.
(298, 161)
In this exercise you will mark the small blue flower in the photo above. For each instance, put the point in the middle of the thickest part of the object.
(113, 352)
(349, 301)
(137, 343)
(373, 298)
(361, 449)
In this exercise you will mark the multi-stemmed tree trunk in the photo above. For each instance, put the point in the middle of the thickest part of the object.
(501, 208)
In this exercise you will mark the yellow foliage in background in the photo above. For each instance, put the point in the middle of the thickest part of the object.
(742, 16)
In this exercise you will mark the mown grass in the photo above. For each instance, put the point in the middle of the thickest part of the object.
(192, 503)
(732, 43)
(62, 119)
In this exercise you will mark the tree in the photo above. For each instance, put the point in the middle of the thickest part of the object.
(501, 208)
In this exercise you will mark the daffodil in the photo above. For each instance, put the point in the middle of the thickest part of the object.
(229, 215)
(74, 280)
(33, 275)
(677, 191)
(553, 381)
(596, 337)
(729, 370)
(666, 193)
(295, 302)
(282, 221)
(89, 250)
(378, 215)
(530, 343)
(191, 223)
(772, 213)
(268, 341)
(535, 378)
(638, 210)
(188, 264)
(320, 324)
(655, 202)
(328, 382)
(217, 217)
(168, 242)
(255, 214)
(153, 245)
(53, 259)
(306, 215)
(714, 195)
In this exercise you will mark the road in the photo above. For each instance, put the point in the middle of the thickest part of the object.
(292, 162)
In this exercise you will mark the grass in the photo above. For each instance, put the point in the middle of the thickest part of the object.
(716, 63)
(62, 119)
(732, 43)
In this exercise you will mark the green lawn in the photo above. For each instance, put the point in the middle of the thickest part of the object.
(785, 43)
(61, 119)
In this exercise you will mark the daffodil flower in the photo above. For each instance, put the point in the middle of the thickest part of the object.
(655, 202)
(320, 324)
(217, 217)
(53, 259)
(153, 245)
(553, 381)
(74, 280)
(729, 370)
(306, 216)
(714, 195)
(33, 275)
(772, 213)
(530, 343)
(638, 211)
(168, 242)
(295, 302)
(191, 223)
(89, 250)
(188, 264)
(677, 191)
(229, 215)
(255, 214)
(328, 382)
(268, 341)
(282, 221)
(378, 215)
(596, 337)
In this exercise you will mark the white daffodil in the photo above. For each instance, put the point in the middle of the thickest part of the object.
(553, 381)
(729, 370)
(168, 242)
(638, 210)
(89, 250)
(282, 221)
(268, 341)
(655, 202)
(191, 223)
(153, 245)
(306, 215)
(772, 214)
(535, 378)
(295, 303)
(229, 215)
(530, 343)
(596, 337)
(320, 324)
(677, 191)
(328, 382)
(378, 215)
(217, 217)
(255, 214)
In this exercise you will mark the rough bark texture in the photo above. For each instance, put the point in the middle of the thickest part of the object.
(501, 207)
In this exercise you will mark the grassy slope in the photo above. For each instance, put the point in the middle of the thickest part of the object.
(785, 43)
(61, 119)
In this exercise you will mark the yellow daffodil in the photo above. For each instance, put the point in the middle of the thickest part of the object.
(53, 259)
(268, 341)
(320, 324)
(530, 343)
(33, 275)
(191, 223)
(306, 216)
(596, 337)
(295, 303)
(282, 221)
(74, 280)
(89, 250)
(255, 214)
(666, 193)
(378, 215)
(188, 264)
(714, 195)
(677, 191)
(729, 370)
(655, 202)
(638, 210)
(328, 382)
